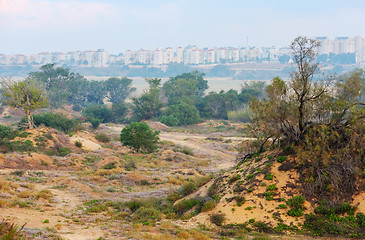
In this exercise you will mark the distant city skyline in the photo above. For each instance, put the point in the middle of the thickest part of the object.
(191, 55)
(33, 26)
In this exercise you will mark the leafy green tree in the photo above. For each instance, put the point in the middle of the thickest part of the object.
(185, 87)
(149, 104)
(62, 85)
(252, 90)
(100, 112)
(118, 89)
(24, 95)
(187, 114)
(140, 137)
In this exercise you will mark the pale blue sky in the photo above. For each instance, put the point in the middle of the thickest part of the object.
(32, 26)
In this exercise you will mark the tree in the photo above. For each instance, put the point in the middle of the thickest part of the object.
(186, 87)
(149, 104)
(291, 109)
(118, 89)
(320, 123)
(24, 95)
(187, 114)
(62, 85)
(140, 137)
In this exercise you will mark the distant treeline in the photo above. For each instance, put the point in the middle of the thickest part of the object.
(173, 69)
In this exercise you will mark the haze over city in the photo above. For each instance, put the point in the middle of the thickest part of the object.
(33, 26)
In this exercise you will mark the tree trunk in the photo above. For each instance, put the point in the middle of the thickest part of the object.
(30, 120)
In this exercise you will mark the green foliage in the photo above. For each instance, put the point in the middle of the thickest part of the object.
(338, 219)
(144, 214)
(98, 112)
(24, 95)
(186, 114)
(209, 205)
(271, 187)
(149, 104)
(64, 151)
(10, 231)
(296, 205)
(78, 144)
(187, 188)
(218, 218)
(281, 159)
(7, 132)
(95, 122)
(185, 205)
(118, 89)
(140, 137)
(169, 120)
(185, 87)
(110, 165)
(102, 137)
(57, 121)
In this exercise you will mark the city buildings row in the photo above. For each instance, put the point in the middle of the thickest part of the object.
(190, 55)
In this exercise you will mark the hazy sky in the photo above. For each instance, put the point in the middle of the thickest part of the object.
(32, 26)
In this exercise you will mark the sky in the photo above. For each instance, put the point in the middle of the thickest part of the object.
(33, 26)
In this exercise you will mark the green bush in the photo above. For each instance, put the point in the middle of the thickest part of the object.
(95, 122)
(170, 120)
(144, 214)
(102, 137)
(296, 205)
(10, 231)
(100, 112)
(281, 159)
(187, 188)
(78, 144)
(140, 137)
(110, 165)
(209, 205)
(64, 151)
(218, 218)
(185, 205)
(187, 114)
(57, 121)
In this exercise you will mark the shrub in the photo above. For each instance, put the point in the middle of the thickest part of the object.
(184, 205)
(10, 231)
(218, 218)
(271, 187)
(281, 159)
(130, 165)
(186, 113)
(45, 194)
(269, 176)
(57, 121)
(209, 205)
(187, 188)
(144, 214)
(100, 112)
(64, 151)
(296, 205)
(78, 144)
(102, 137)
(77, 108)
(95, 122)
(170, 120)
(140, 137)
(110, 165)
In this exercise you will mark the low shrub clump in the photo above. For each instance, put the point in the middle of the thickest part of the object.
(338, 219)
